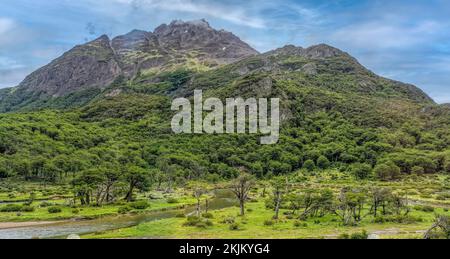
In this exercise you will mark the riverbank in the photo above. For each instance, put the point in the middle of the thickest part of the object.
(11, 225)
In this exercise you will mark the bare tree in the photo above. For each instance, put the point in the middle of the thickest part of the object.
(441, 223)
(241, 187)
(280, 188)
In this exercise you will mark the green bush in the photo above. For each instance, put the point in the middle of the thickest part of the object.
(27, 208)
(234, 227)
(323, 162)
(54, 210)
(424, 208)
(75, 211)
(361, 235)
(45, 204)
(124, 210)
(361, 171)
(208, 215)
(194, 221)
(11, 208)
(268, 223)
(229, 220)
(172, 201)
(298, 224)
(344, 236)
(139, 205)
(418, 170)
(309, 165)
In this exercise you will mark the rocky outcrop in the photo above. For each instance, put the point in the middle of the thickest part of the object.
(85, 66)
(98, 63)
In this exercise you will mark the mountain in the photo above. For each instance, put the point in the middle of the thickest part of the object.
(97, 64)
(194, 55)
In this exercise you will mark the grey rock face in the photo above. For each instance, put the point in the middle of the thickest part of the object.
(85, 66)
(320, 51)
(221, 46)
(98, 63)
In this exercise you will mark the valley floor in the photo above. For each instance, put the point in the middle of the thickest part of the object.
(165, 215)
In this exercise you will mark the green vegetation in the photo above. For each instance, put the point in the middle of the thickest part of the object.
(354, 150)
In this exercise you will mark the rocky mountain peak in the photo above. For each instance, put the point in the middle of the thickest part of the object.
(323, 51)
(98, 63)
(220, 45)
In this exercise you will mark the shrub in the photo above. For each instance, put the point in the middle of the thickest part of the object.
(323, 162)
(139, 205)
(45, 204)
(27, 209)
(229, 220)
(234, 227)
(11, 208)
(172, 200)
(192, 221)
(180, 215)
(75, 211)
(344, 236)
(418, 170)
(201, 224)
(208, 215)
(424, 208)
(309, 165)
(361, 235)
(361, 171)
(54, 210)
(269, 223)
(124, 210)
(208, 223)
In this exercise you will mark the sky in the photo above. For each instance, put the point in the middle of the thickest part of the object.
(406, 40)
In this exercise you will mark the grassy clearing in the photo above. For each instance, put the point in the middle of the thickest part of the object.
(254, 225)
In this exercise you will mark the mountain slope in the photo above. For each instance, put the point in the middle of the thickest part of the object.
(333, 110)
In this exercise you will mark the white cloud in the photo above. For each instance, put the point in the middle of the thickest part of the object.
(227, 13)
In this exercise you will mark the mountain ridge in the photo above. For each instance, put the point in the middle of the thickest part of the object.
(91, 68)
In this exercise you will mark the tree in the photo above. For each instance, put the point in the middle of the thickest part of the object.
(323, 162)
(440, 228)
(241, 187)
(309, 165)
(198, 190)
(361, 171)
(280, 188)
(137, 178)
(88, 185)
(379, 199)
(387, 171)
(350, 205)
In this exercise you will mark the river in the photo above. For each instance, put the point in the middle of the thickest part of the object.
(66, 228)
